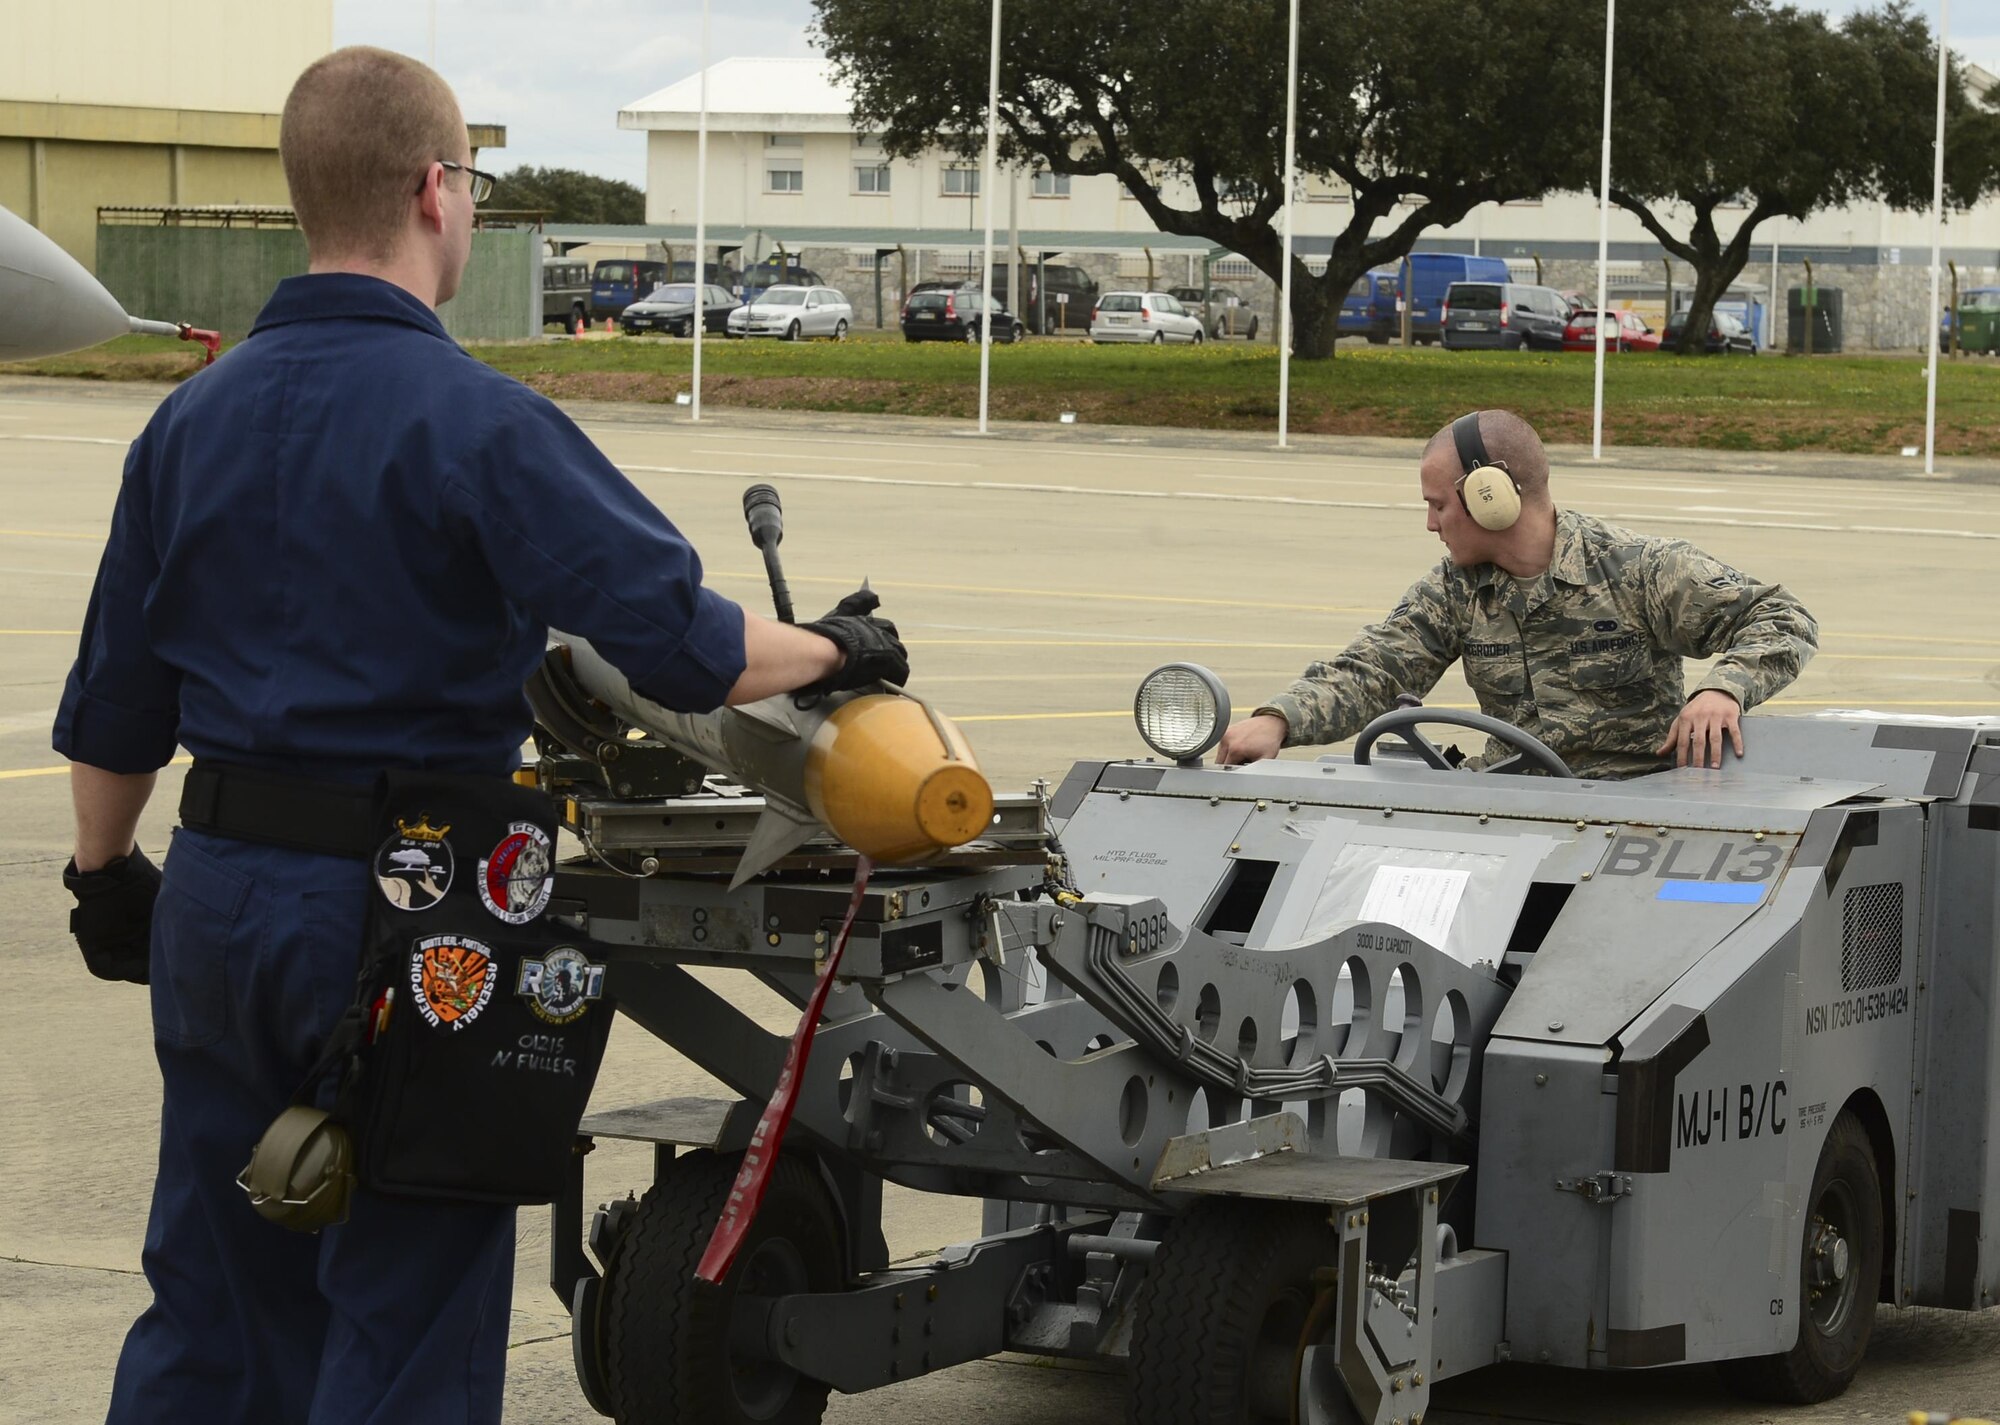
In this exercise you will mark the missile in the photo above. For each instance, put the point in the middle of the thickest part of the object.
(885, 772)
(50, 305)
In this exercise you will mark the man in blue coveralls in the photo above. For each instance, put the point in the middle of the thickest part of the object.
(336, 551)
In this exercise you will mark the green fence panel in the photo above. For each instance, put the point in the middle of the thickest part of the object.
(220, 278)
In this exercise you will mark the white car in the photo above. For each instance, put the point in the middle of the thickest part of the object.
(794, 313)
(1143, 316)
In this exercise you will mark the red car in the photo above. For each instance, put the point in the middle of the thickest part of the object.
(1623, 331)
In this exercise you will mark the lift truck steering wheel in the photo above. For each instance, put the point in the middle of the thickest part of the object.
(1529, 750)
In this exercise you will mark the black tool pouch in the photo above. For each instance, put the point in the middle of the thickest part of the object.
(483, 1025)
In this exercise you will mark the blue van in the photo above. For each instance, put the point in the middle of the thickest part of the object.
(1369, 306)
(1369, 309)
(616, 284)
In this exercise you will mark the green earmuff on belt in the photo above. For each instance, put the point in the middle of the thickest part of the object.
(301, 1173)
(1487, 489)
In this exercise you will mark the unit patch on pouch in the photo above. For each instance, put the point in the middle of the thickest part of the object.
(515, 880)
(451, 979)
(560, 987)
(413, 868)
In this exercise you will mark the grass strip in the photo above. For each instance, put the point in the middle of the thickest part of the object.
(1847, 404)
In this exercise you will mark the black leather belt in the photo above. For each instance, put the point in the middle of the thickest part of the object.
(297, 813)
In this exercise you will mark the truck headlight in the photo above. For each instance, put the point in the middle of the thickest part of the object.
(1181, 710)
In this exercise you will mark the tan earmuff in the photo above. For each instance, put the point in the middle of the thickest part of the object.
(1486, 489)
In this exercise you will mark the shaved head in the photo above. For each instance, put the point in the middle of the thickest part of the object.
(1511, 442)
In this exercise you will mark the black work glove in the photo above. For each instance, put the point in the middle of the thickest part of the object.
(113, 919)
(874, 653)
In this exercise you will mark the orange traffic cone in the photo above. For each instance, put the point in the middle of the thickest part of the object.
(607, 324)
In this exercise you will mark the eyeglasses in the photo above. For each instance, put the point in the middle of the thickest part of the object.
(482, 183)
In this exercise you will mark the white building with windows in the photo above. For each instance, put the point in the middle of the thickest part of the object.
(785, 157)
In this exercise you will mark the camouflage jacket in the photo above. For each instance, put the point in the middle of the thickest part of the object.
(1587, 656)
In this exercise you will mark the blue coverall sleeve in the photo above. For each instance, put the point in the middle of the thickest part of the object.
(578, 546)
(120, 709)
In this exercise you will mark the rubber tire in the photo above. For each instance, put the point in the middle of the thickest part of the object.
(1821, 1365)
(1251, 335)
(1159, 339)
(840, 330)
(1378, 340)
(664, 1335)
(1196, 340)
(1015, 339)
(792, 332)
(1223, 1265)
(971, 334)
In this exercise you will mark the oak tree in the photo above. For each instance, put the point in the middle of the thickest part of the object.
(1740, 112)
(1412, 112)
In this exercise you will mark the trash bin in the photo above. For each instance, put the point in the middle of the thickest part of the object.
(1826, 319)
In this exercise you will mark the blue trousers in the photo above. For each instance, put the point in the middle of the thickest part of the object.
(400, 1314)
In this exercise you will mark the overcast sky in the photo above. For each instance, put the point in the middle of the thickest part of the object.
(557, 73)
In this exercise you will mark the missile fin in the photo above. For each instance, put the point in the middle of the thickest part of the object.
(769, 714)
(776, 835)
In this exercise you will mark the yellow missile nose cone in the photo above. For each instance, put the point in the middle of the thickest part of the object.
(893, 783)
(954, 805)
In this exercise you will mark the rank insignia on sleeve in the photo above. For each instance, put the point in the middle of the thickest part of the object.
(413, 868)
(517, 876)
(560, 987)
(451, 977)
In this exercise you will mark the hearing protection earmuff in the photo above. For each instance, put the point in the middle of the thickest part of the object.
(1487, 489)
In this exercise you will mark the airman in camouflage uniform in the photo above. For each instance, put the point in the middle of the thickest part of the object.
(1583, 651)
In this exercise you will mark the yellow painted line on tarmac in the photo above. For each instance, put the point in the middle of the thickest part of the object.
(1039, 716)
(16, 773)
(880, 585)
(51, 534)
(1916, 638)
(1313, 647)
(1901, 658)
(1858, 703)
(1136, 643)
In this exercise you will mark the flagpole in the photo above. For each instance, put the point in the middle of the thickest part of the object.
(700, 221)
(986, 182)
(1285, 281)
(1603, 239)
(1937, 244)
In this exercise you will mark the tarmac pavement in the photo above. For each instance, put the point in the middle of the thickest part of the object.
(1037, 575)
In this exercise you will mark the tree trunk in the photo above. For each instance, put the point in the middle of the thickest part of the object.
(1315, 321)
(1712, 275)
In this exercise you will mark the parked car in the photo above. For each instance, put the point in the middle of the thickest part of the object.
(1223, 313)
(1143, 316)
(1726, 335)
(773, 273)
(565, 291)
(955, 315)
(1623, 331)
(722, 274)
(616, 283)
(1064, 306)
(1503, 316)
(670, 309)
(1431, 275)
(793, 313)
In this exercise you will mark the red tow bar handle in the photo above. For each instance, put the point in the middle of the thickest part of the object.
(211, 340)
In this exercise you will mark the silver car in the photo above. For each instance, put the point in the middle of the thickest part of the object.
(794, 313)
(1143, 316)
